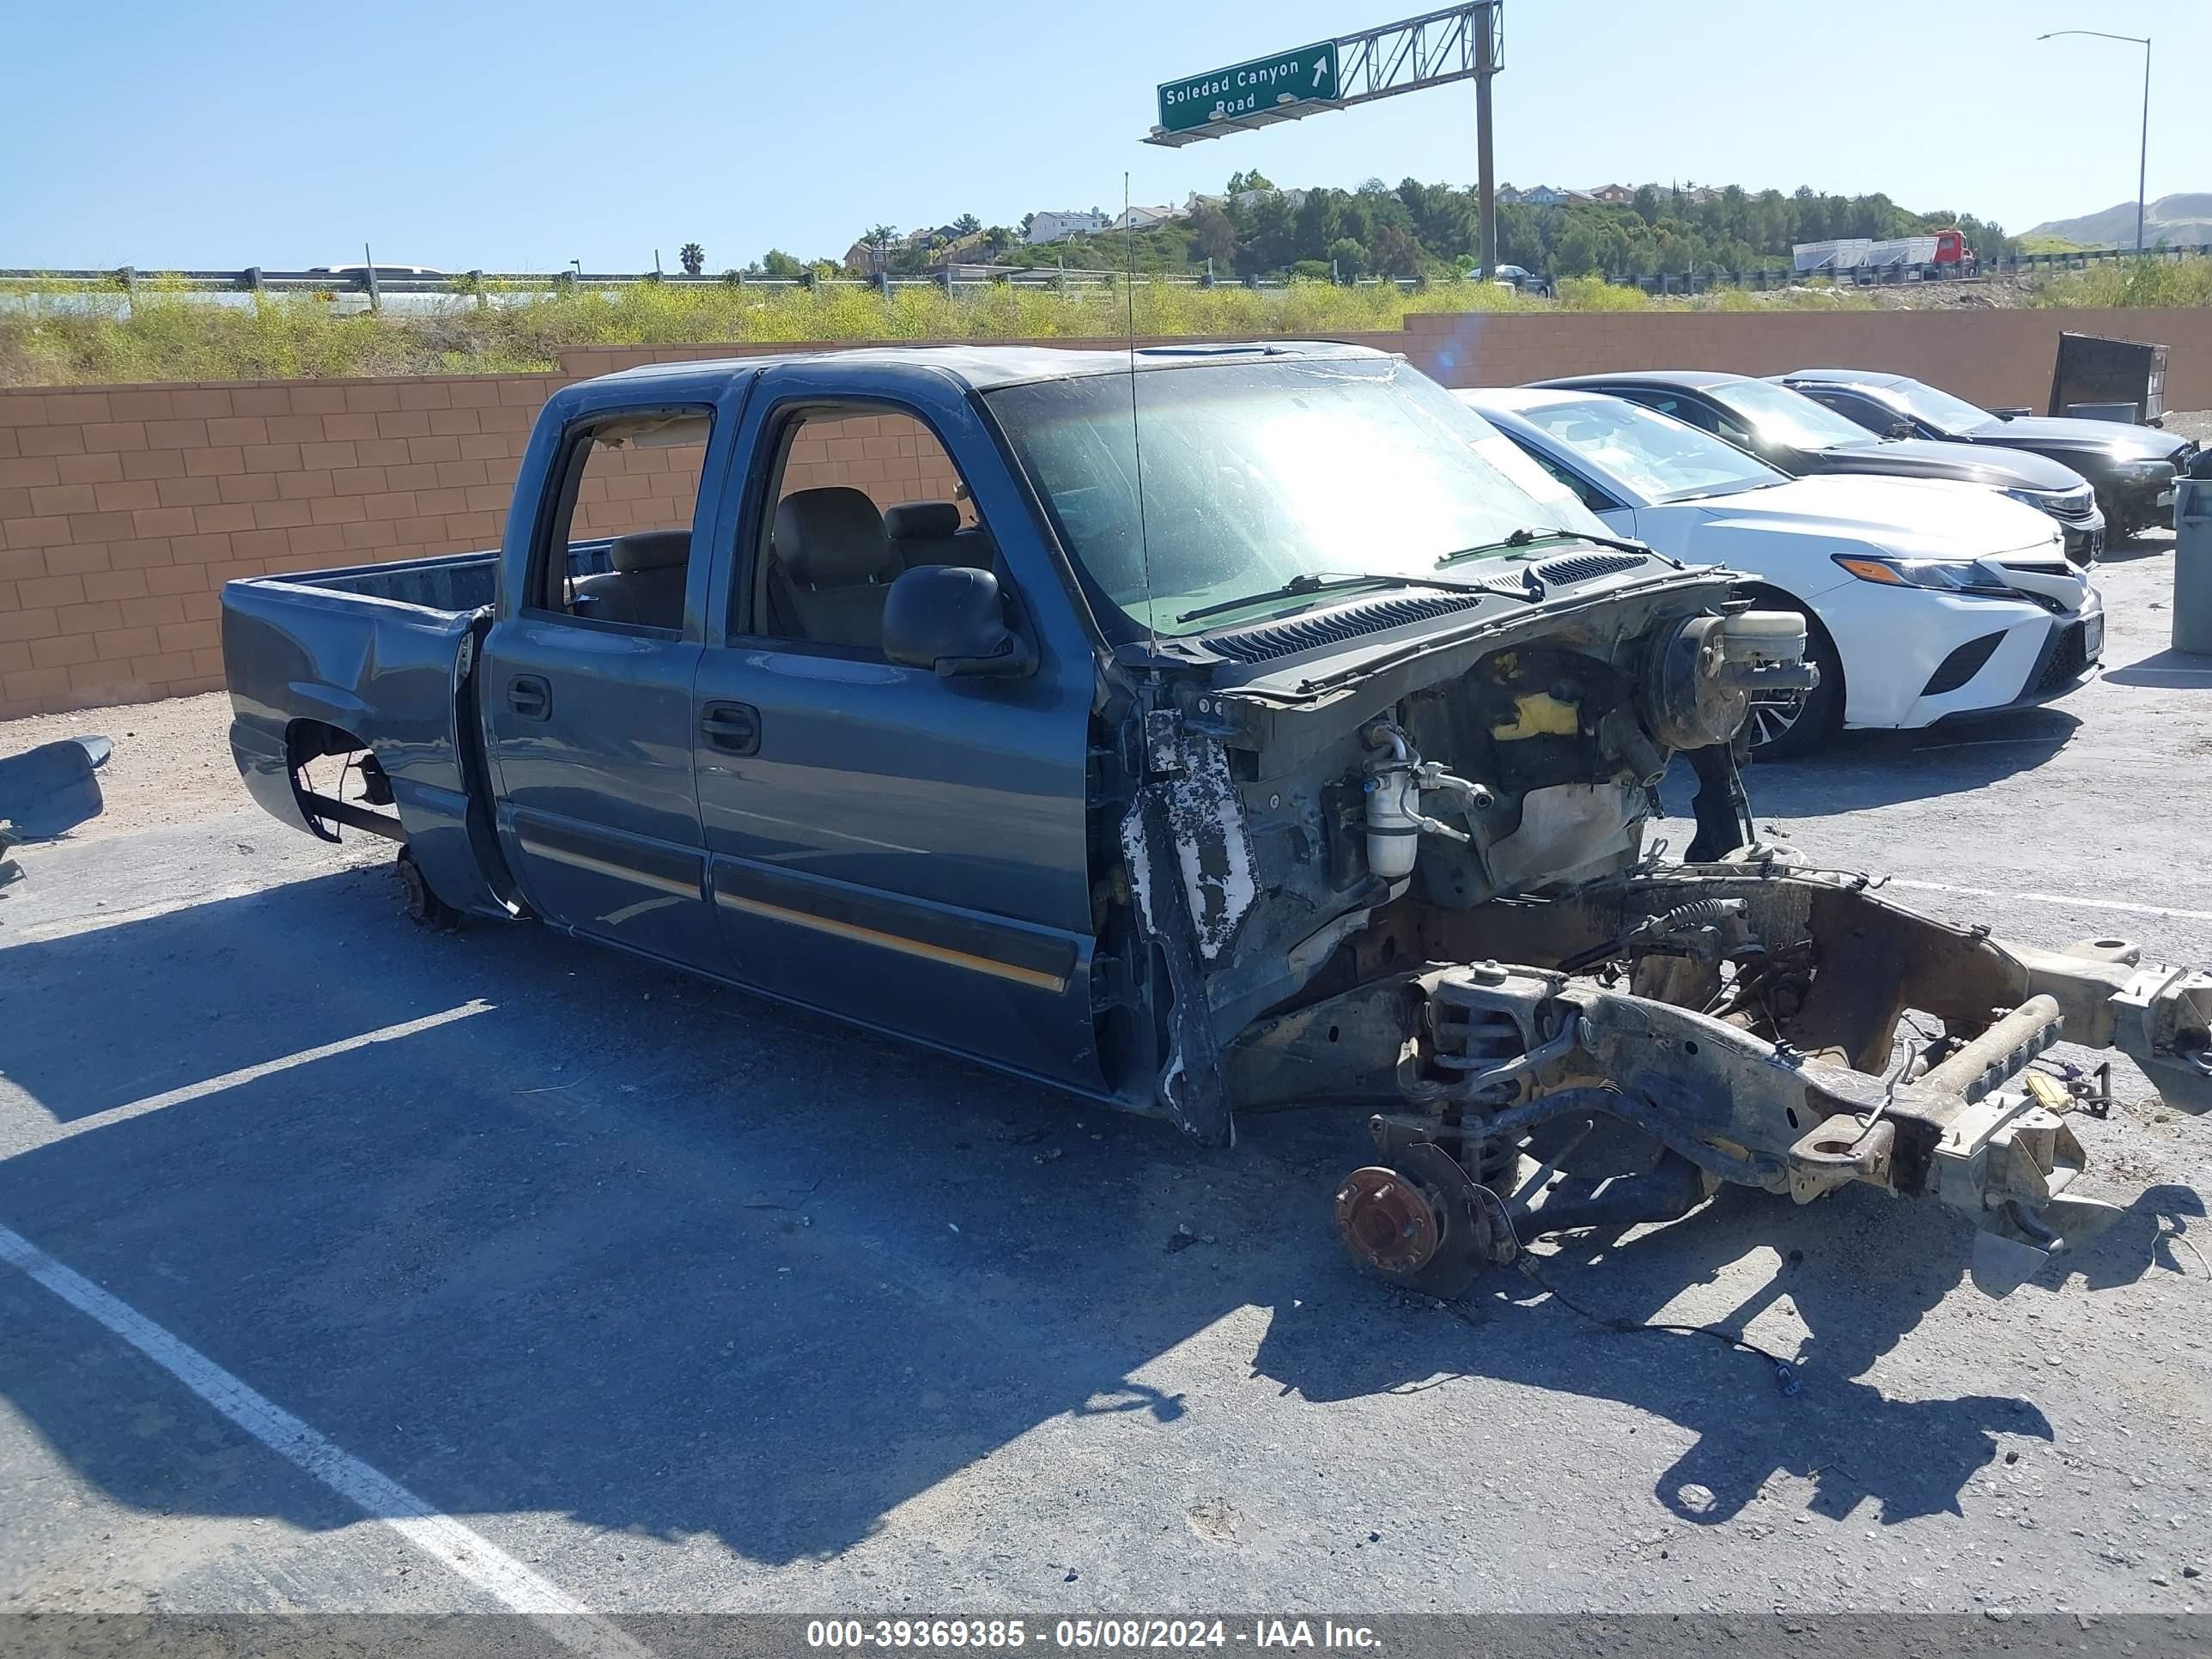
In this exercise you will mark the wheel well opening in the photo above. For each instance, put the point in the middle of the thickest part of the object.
(347, 794)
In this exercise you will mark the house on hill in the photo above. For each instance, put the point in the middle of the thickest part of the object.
(1058, 227)
(1246, 199)
(1145, 218)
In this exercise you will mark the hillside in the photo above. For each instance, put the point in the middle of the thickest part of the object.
(1256, 229)
(2176, 220)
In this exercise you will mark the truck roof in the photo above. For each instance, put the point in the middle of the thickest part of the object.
(984, 368)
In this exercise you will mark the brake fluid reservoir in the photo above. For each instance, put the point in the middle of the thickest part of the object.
(1394, 830)
(1764, 636)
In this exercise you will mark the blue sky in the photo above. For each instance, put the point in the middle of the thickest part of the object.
(497, 135)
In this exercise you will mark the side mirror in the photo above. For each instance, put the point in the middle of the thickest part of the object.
(952, 620)
(1898, 430)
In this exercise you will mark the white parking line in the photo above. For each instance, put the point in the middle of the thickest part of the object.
(469, 1554)
(2070, 901)
(178, 1097)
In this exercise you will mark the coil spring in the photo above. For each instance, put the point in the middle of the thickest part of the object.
(1698, 913)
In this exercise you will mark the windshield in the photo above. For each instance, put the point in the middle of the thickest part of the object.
(1939, 409)
(1655, 455)
(1784, 416)
(1256, 474)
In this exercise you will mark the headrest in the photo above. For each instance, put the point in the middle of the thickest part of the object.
(651, 550)
(831, 537)
(915, 521)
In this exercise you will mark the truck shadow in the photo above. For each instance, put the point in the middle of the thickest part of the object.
(628, 1249)
(1858, 1278)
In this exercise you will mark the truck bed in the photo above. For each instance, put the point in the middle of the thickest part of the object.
(447, 582)
(369, 657)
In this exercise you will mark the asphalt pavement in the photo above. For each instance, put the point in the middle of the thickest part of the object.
(654, 1297)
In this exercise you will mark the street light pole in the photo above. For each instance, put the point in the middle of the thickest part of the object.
(2142, 158)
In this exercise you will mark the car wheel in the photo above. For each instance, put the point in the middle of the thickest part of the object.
(1783, 724)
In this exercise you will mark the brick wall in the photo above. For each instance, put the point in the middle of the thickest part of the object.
(124, 509)
(625, 490)
(891, 457)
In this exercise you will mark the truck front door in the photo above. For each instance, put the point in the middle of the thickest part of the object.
(586, 681)
(906, 851)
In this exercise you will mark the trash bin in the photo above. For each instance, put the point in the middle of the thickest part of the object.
(2192, 565)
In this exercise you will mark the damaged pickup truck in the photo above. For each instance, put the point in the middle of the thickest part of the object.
(1234, 731)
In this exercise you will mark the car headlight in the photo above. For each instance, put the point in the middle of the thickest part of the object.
(2062, 503)
(2156, 467)
(1941, 575)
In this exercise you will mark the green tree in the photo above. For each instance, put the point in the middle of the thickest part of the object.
(776, 262)
(1349, 259)
(1213, 233)
(967, 224)
(692, 258)
(1580, 251)
(1396, 252)
(1272, 241)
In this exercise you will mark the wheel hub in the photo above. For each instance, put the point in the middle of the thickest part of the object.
(1422, 1224)
(1388, 1223)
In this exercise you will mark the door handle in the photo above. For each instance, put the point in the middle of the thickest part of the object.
(732, 726)
(530, 696)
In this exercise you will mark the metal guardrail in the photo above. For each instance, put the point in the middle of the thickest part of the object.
(488, 287)
(485, 285)
(1765, 278)
(466, 284)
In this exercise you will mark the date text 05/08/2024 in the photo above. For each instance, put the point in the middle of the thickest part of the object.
(1086, 1635)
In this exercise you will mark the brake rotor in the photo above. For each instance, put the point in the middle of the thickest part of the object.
(1389, 1223)
(1421, 1224)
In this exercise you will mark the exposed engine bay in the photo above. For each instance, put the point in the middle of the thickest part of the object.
(1410, 871)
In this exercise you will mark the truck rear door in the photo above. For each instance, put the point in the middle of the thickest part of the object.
(906, 851)
(585, 683)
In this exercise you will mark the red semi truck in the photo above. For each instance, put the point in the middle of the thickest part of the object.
(1945, 251)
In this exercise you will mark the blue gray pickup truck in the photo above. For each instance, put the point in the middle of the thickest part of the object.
(1208, 731)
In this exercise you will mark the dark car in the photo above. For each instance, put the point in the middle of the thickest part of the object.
(1800, 435)
(2132, 468)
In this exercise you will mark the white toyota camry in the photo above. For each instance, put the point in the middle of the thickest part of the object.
(1925, 598)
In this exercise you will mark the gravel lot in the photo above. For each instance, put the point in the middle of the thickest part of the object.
(685, 1302)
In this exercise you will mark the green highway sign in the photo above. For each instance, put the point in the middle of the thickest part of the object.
(1253, 91)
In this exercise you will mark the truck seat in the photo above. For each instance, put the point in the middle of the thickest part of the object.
(646, 586)
(929, 533)
(832, 566)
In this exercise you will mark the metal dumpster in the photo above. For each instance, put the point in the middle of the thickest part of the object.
(2095, 370)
